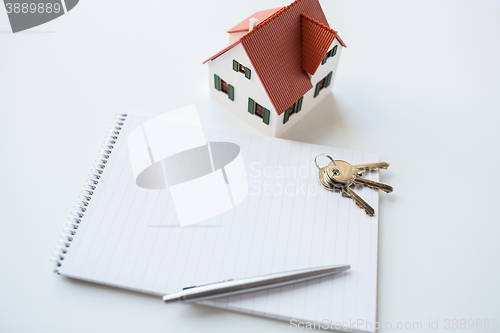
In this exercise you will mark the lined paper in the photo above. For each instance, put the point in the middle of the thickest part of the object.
(130, 237)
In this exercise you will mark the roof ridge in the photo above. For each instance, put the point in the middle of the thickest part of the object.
(256, 14)
(270, 18)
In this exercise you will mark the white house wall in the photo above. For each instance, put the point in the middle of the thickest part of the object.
(234, 36)
(310, 101)
(243, 89)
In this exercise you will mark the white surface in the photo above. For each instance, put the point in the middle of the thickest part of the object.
(417, 84)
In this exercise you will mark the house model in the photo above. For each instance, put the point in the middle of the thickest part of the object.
(279, 64)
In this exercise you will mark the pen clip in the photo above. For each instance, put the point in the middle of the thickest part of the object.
(206, 284)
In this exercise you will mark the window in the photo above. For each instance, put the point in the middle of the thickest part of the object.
(295, 108)
(331, 53)
(224, 87)
(258, 110)
(237, 67)
(334, 51)
(325, 82)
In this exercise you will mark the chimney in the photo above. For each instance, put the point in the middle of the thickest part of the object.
(252, 23)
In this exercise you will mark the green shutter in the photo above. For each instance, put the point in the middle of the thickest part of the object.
(286, 116)
(248, 73)
(230, 92)
(266, 115)
(318, 88)
(324, 59)
(217, 82)
(251, 105)
(299, 105)
(236, 66)
(334, 50)
(328, 79)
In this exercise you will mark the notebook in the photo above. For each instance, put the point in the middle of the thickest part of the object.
(171, 204)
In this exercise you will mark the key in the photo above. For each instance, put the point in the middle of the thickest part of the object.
(321, 173)
(348, 192)
(343, 180)
(355, 178)
(339, 175)
(372, 184)
(360, 168)
(322, 180)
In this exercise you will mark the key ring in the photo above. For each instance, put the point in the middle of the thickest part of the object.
(336, 171)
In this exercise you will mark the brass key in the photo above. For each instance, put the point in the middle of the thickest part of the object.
(360, 168)
(348, 192)
(355, 178)
(339, 176)
(372, 184)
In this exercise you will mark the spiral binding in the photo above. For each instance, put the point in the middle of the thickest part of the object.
(88, 190)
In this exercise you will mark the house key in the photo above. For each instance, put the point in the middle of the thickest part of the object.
(339, 175)
(349, 175)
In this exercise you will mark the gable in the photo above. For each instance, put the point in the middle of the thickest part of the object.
(275, 49)
(316, 39)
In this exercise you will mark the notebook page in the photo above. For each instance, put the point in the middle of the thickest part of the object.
(346, 235)
(131, 237)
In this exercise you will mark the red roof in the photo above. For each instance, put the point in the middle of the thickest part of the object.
(261, 16)
(316, 39)
(285, 46)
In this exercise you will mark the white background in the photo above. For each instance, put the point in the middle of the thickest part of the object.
(419, 85)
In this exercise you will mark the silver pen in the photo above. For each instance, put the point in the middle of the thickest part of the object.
(233, 287)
